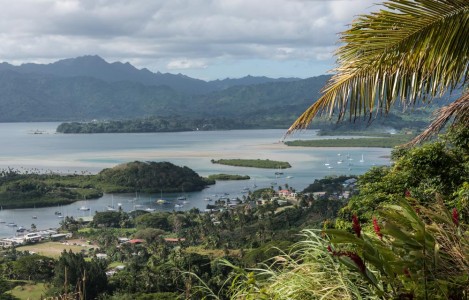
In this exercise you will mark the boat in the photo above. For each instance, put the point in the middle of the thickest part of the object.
(149, 209)
(362, 160)
(177, 205)
(161, 200)
(111, 207)
(181, 198)
(11, 224)
(340, 161)
(1, 221)
(208, 199)
(288, 177)
(34, 217)
(84, 208)
(327, 163)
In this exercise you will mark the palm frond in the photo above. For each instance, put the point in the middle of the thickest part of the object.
(412, 51)
(459, 110)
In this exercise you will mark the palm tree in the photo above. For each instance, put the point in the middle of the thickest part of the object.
(412, 51)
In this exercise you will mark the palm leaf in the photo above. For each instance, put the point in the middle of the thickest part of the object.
(412, 51)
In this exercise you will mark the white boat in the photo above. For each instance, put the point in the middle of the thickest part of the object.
(161, 200)
(181, 198)
(84, 208)
(288, 177)
(149, 209)
(208, 199)
(340, 161)
(362, 160)
(111, 207)
(177, 205)
(327, 163)
(11, 224)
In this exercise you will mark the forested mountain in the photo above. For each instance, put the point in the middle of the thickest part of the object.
(96, 67)
(88, 88)
(42, 97)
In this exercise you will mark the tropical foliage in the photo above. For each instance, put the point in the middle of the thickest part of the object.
(409, 52)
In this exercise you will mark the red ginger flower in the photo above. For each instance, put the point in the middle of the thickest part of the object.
(356, 225)
(455, 215)
(407, 194)
(377, 229)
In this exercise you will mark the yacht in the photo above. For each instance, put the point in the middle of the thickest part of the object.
(362, 160)
(84, 208)
(177, 205)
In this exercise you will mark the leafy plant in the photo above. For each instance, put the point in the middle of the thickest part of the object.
(420, 252)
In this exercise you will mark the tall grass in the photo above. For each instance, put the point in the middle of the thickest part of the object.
(308, 271)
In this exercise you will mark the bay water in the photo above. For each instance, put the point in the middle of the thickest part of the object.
(36, 147)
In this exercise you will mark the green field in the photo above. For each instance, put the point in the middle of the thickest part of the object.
(54, 249)
(29, 291)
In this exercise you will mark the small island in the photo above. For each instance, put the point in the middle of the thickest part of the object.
(23, 190)
(253, 163)
(376, 141)
(228, 177)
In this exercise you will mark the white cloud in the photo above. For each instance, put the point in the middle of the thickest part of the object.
(160, 33)
(180, 64)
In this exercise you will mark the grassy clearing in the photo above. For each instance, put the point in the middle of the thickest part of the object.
(29, 291)
(54, 249)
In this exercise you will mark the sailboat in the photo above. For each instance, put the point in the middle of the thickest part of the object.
(182, 197)
(161, 200)
(362, 160)
(111, 207)
(327, 163)
(84, 207)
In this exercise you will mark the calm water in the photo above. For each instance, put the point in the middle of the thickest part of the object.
(90, 153)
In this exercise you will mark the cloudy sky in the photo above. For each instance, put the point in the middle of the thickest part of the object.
(206, 39)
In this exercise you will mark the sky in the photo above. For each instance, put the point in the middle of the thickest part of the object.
(205, 39)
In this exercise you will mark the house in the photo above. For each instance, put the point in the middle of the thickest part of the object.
(136, 241)
(174, 240)
(349, 182)
(32, 237)
(287, 194)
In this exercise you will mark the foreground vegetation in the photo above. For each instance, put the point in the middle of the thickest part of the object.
(253, 163)
(19, 190)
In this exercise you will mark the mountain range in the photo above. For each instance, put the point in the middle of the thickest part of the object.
(88, 87)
